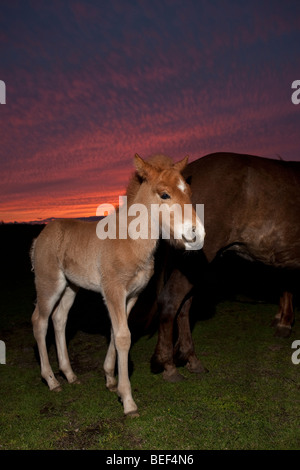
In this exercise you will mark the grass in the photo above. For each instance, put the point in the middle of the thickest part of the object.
(248, 400)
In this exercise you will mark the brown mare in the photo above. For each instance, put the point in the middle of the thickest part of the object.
(68, 255)
(251, 206)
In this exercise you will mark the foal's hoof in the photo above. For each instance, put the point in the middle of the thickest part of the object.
(132, 414)
(75, 381)
(173, 377)
(56, 389)
(112, 388)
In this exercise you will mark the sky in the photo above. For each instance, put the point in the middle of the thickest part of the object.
(90, 83)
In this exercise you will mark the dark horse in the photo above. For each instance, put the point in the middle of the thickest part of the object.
(252, 207)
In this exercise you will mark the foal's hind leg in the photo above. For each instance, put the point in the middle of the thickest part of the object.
(110, 364)
(59, 318)
(45, 304)
(40, 327)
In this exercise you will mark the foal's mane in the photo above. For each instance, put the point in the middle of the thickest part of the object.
(159, 162)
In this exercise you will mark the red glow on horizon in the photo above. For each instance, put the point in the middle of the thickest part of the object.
(45, 209)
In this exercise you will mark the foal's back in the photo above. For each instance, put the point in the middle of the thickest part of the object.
(71, 249)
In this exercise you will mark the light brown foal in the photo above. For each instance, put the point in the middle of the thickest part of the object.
(68, 255)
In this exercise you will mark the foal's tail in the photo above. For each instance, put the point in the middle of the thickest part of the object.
(31, 253)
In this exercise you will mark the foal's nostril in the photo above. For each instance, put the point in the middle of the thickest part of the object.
(194, 228)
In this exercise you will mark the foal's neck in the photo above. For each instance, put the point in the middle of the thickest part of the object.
(140, 194)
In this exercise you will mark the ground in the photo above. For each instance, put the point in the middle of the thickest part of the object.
(249, 399)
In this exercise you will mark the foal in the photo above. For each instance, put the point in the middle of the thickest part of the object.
(68, 255)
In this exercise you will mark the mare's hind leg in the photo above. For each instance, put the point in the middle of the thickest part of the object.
(285, 317)
(184, 349)
(46, 301)
(59, 317)
(170, 300)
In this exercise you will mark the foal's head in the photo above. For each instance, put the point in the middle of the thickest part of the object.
(170, 199)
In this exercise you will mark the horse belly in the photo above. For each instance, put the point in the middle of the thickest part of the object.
(84, 277)
(139, 282)
(274, 244)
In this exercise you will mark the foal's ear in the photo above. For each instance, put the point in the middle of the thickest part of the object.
(180, 166)
(144, 169)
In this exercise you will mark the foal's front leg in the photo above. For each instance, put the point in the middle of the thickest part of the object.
(110, 359)
(122, 341)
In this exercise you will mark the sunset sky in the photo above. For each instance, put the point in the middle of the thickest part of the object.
(90, 83)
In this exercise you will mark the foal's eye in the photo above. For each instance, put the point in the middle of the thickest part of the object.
(165, 196)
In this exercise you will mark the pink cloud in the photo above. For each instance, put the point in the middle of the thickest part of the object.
(77, 113)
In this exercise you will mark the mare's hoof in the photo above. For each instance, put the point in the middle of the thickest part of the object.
(283, 331)
(173, 377)
(197, 370)
(195, 367)
(156, 366)
(57, 389)
(274, 322)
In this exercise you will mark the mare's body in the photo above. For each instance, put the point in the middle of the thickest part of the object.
(252, 207)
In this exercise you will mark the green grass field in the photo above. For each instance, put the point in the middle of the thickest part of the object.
(249, 399)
